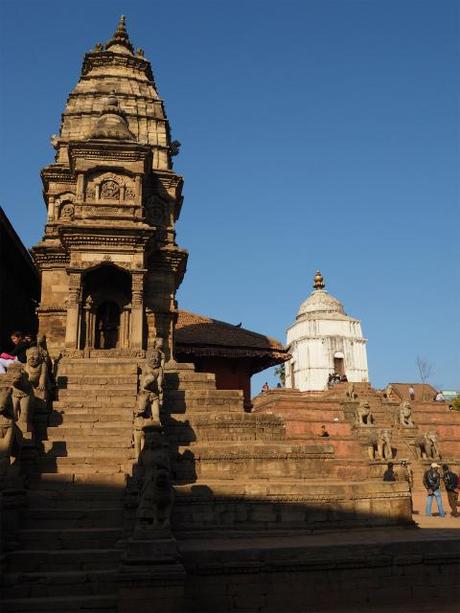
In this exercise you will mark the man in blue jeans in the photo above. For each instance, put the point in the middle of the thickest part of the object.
(432, 483)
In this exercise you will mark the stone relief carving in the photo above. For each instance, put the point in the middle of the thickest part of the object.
(405, 415)
(427, 447)
(379, 447)
(67, 212)
(90, 192)
(150, 396)
(110, 190)
(110, 186)
(364, 415)
(129, 193)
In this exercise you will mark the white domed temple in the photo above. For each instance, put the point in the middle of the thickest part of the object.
(322, 340)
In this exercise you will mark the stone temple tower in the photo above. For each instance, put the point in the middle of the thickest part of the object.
(109, 262)
(323, 339)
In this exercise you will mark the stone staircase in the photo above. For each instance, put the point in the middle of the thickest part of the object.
(241, 473)
(304, 413)
(69, 551)
(235, 474)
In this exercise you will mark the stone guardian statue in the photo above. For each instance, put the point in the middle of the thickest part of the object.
(150, 396)
(156, 492)
(405, 415)
(364, 415)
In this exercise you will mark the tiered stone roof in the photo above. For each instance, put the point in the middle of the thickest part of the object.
(115, 69)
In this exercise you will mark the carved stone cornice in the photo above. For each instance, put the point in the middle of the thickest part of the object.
(50, 257)
(93, 237)
(113, 151)
(168, 181)
(109, 58)
(171, 258)
(52, 308)
(58, 174)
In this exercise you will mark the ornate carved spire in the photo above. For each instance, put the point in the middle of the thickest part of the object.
(318, 281)
(120, 40)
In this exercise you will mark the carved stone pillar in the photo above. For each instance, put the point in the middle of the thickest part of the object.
(138, 188)
(90, 321)
(72, 331)
(124, 327)
(51, 208)
(137, 309)
(80, 187)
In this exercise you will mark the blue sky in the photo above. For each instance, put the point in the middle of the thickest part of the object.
(315, 134)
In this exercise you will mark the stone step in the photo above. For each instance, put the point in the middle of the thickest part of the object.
(94, 397)
(44, 560)
(276, 505)
(344, 446)
(95, 378)
(102, 425)
(58, 584)
(85, 465)
(203, 400)
(80, 408)
(184, 429)
(74, 517)
(97, 367)
(189, 467)
(66, 417)
(85, 452)
(304, 414)
(313, 427)
(61, 477)
(315, 487)
(69, 538)
(74, 441)
(189, 376)
(72, 496)
(62, 604)
(96, 430)
(95, 388)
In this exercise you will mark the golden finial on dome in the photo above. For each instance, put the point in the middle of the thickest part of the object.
(318, 281)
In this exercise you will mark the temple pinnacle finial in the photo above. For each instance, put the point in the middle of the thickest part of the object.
(121, 27)
(318, 281)
(120, 38)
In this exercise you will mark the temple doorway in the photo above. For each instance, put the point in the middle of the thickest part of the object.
(339, 366)
(107, 325)
(105, 319)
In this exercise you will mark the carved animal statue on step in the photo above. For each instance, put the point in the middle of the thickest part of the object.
(150, 396)
(364, 415)
(157, 492)
(388, 392)
(405, 415)
(10, 434)
(379, 447)
(427, 447)
(351, 392)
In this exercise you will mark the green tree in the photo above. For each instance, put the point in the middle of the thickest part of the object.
(456, 403)
(280, 372)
